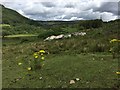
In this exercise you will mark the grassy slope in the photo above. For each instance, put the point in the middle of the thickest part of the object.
(66, 60)
(12, 17)
(94, 70)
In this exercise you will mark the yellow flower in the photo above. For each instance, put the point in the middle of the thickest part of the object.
(29, 68)
(19, 63)
(114, 40)
(36, 56)
(42, 51)
(117, 72)
(42, 58)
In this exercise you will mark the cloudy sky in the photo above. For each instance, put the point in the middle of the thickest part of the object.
(65, 9)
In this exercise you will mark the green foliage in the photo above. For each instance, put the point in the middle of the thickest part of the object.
(12, 17)
(115, 49)
(47, 33)
(90, 24)
(5, 33)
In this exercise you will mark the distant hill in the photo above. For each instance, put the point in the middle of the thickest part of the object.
(22, 25)
(12, 17)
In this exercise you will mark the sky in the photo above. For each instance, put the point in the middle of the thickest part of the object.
(65, 10)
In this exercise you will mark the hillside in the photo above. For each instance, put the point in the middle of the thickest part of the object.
(12, 17)
(90, 60)
(22, 25)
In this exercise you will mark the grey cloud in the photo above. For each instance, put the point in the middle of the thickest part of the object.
(48, 4)
(111, 7)
(66, 10)
(69, 5)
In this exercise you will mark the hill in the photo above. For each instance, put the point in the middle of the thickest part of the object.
(22, 25)
(12, 17)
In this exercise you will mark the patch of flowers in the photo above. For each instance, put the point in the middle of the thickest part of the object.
(38, 59)
(36, 62)
(115, 49)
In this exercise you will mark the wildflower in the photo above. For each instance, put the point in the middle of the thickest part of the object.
(19, 63)
(29, 68)
(41, 54)
(42, 51)
(36, 56)
(117, 72)
(42, 58)
(114, 40)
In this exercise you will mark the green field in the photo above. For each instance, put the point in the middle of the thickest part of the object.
(95, 70)
(89, 61)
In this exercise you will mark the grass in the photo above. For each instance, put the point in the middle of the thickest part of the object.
(94, 70)
(20, 35)
(87, 58)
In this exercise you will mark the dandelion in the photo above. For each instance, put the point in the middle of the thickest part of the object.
(114, 40)
(41, 51)
(36, 57)
(19, 63)
(29, 68)
(35, 54)
(117, 72)
(42, 58)
(41, 54)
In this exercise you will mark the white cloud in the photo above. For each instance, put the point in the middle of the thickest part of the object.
(61, 9)
(108, 16)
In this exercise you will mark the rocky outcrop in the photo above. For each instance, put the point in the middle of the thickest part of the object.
(65, 36)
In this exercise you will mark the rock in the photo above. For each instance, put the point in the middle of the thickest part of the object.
(67, 36)
(40, 78)
(77, 79)
(59, 36)
(72, 81)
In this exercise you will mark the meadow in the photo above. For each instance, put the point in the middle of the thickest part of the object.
(65, 60)
(89, 61)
